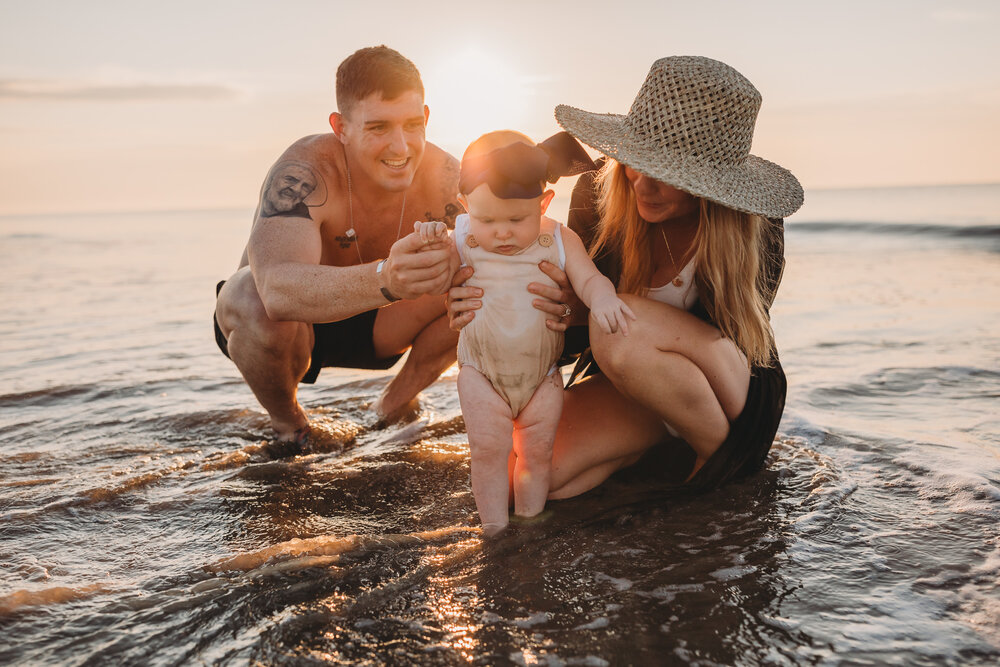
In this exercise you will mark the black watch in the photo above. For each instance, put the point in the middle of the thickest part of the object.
(386, 293)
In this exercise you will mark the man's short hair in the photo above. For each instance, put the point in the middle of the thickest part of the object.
(375, 69)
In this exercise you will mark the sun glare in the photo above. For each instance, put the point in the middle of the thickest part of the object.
(472, 92)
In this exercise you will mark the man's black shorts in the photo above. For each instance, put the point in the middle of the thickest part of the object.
(344, 344)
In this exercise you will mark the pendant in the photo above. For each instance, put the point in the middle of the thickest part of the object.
(349, 237)
(678, 281)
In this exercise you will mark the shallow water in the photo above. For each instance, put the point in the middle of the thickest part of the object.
(146, 518)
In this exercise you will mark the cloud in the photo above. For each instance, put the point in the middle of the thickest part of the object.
(13, 90)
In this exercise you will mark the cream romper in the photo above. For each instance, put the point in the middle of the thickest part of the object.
(507, 341)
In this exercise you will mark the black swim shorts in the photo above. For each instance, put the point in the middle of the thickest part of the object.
(344, 344)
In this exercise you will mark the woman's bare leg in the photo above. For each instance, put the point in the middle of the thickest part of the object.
(672, 368)
(600, 431)
(680, 368)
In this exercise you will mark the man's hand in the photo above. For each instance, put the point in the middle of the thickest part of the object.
(415, 268)
(555, 300)
(463, 301)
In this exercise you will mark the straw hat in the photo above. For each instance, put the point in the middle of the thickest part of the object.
(691, 126)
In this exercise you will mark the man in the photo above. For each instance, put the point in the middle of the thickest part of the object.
(329, 277)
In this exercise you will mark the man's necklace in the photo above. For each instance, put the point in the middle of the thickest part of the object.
(350, 212)
(677, 281)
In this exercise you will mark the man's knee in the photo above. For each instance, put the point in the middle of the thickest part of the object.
(426, 329)
(238, 302)
(240, 311)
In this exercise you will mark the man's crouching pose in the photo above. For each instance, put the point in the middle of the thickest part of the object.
(327, 278)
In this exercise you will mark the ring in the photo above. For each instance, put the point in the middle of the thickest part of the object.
(567, 312)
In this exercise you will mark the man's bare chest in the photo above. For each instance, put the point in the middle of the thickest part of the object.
(364, 237)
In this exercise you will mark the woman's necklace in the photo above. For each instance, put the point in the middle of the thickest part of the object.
(677, 281)
(350, 212)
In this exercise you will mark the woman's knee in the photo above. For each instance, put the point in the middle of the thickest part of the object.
(618, 353)
(615, 352)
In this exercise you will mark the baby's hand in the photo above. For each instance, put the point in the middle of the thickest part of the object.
(432, 231)
(611, 313)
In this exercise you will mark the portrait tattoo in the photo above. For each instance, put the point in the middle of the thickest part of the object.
(288, 187)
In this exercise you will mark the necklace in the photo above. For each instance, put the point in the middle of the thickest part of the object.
(677, 281)
(351, 234)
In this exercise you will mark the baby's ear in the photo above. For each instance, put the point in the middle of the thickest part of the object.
(547, 199)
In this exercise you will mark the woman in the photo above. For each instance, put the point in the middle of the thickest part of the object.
(684, 233)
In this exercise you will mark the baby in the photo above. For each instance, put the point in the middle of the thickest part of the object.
(508, 385)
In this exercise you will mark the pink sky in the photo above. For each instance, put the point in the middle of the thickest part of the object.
(123, 105)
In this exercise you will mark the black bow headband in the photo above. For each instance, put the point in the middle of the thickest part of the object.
(518, 171)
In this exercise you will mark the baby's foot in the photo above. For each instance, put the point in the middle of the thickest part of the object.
(493, 529)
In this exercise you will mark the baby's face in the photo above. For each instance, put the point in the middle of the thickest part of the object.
(504, 226)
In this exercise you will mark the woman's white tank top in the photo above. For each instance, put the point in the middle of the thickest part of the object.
(682, 297)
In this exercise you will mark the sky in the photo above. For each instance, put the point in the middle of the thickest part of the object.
(111, 105)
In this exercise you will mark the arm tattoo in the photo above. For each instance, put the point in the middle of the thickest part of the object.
(449, 190)
(451, 211)
(291, 188)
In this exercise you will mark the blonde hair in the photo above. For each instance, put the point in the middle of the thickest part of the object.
(727, 248)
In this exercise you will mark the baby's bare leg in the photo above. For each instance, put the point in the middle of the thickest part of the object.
(489, 425)
(534, 433)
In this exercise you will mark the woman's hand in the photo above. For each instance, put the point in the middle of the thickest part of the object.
(462, 301)
(557, 301)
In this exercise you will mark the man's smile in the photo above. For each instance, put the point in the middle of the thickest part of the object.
(396, 164)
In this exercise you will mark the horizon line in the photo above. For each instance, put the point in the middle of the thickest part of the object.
(251, 207)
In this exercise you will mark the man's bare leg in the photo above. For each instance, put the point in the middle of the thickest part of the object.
(489, 424)
(421, 325)
(271, 356)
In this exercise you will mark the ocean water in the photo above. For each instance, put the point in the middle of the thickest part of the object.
(146, 517)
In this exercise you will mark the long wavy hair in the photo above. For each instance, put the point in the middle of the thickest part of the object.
(727, 253)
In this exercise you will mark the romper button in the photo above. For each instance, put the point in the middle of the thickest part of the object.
(471, 241)
(545, 240)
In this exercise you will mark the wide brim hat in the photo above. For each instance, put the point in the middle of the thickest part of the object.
(691, 126)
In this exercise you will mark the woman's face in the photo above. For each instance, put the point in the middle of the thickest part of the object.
(659, 202)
